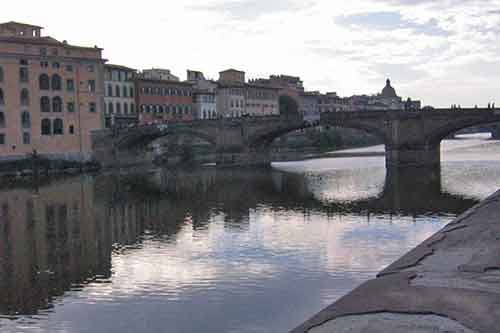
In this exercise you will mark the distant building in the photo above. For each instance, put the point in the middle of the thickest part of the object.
(386, 100)
(119, 100)
(161, 101)
(331, 102)
(51, 94)
(205, 95)
(236, 98)
(159, 74)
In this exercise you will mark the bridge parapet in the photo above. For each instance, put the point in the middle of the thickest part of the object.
(411, 137)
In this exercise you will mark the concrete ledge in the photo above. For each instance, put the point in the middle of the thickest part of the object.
(449, 283)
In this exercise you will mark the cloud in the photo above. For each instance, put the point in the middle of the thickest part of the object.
(252, 9)
(390, 20)
(401, 73)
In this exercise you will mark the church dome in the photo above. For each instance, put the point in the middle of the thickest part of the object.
(388, 90)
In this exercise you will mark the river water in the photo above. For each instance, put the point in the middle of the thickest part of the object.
(220, 250)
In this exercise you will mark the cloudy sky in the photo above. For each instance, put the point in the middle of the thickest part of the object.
(440, 51)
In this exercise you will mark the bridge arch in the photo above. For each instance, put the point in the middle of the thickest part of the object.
(143, 138)
(441, 133)
(264, 140)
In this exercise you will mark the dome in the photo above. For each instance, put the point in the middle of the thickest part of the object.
(389, 91)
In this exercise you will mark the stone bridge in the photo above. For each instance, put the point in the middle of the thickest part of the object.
(411, 138)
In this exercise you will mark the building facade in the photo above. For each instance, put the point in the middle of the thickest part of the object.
(51, 95)
(119, 100)
(205, 95)
(161, 101)
(236, 98)
(310, 106)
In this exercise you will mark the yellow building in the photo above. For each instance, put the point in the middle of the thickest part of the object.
(51, 95)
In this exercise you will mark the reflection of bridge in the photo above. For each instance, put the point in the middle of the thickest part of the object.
(409, 191)
(411, 138)
(65, 234)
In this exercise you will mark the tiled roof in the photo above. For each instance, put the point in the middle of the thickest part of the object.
(125, 68)
(6, 24)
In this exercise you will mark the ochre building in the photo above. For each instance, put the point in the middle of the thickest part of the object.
(51, 95)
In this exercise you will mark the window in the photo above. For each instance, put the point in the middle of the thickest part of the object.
(110, 90)
(70, 106)
(44, 82)
(45, 104)
(23, 74)
(132, 108)
(70, 85)
(46, 127)
(2, 120)
(71, 129)
(58, 127)
(2, 139)
(90, 68)
(125, 108)
(2, 100)
(25, 119)
(69, 68)
(91, 86)
(56, 65)
(26, 138)
(43, 51)
(117, 91)
(56, 82)
(92, 107)
(57, 104)
(25, 97)
(118, 108)
(1, 74)
(23, 62)
(124, 91)
(110, 108)
(131, 92)
(44, 64)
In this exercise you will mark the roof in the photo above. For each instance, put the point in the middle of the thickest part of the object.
(6, 24)
(231, 70)
(125, 68)
(49, 41)
(184, 83)
(231, 84)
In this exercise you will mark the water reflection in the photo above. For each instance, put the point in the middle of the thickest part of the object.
(62, 236)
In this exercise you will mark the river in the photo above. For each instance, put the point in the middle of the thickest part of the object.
(220, 250)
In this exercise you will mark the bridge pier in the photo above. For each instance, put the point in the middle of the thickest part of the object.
(403, 157)
(495, 132)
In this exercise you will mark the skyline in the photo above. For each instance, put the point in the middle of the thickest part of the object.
(440, 53)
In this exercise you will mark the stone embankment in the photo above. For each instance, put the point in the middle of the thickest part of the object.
(449, 283)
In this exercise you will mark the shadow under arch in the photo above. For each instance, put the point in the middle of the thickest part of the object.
(142, 139)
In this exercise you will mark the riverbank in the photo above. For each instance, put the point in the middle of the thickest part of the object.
(449, 283)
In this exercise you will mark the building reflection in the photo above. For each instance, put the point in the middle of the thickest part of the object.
(62, 236)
